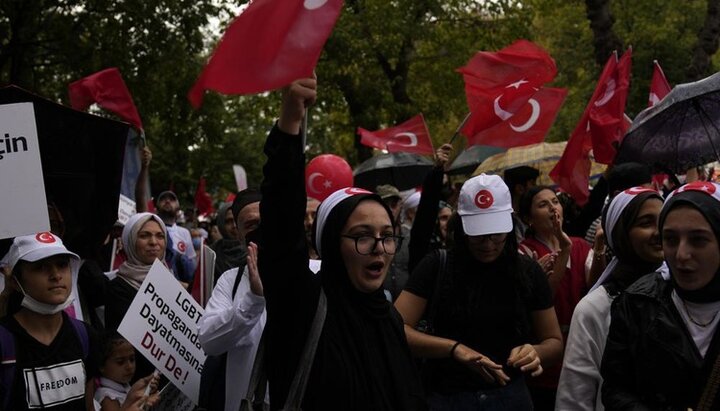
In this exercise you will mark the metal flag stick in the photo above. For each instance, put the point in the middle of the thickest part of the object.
(462, 124)
(304, 130)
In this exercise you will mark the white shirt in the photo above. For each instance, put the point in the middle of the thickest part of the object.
(233, 326)
(182, 242)
(580, 380)
(704, 314)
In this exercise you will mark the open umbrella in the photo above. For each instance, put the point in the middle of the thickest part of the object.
(468, 160)
(680, 132)
(542, 156)
(403, 170)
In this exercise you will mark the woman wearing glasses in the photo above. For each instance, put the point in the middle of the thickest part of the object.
(489, 309)
(362, 360)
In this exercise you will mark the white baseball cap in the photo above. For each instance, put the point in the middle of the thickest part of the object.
(485, 206)
(35, 247)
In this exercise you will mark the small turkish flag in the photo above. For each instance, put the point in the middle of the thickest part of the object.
(411, 136)
(269, 45)
(528, 126)
(108, 90)
(659, 86)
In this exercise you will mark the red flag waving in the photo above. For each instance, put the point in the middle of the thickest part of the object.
(203, 201)
(499, 84)
(659, 86)
(528, 126)
(411, 136)
(604, 116)
(108, 90)
(607, 108)
(269, 45)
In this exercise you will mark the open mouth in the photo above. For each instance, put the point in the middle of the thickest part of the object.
(375, 268)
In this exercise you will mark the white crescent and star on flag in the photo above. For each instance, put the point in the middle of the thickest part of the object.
(609, 93)
(314, 4)
(396, 139)
(505, 115)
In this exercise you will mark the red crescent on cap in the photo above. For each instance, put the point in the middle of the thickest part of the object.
(484, 199)
(45, 237)
(181, 246)
(355, 190)
(702, 186)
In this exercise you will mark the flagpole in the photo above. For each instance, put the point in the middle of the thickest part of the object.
(304, 129)
(462, 124)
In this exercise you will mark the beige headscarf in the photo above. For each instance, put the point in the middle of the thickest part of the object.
(133, 270)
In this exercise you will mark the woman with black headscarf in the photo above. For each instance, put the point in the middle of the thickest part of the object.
(230, 252)
(631, 221)
(362, 361)
(662, 347)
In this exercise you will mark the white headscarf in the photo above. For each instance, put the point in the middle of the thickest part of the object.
(133, 270)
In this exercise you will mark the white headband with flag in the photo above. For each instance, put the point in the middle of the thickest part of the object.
(327, 206)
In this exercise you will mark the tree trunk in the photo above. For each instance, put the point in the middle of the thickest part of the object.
(707, 43)
(605, 40)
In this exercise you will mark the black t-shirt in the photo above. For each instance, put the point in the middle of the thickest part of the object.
(481, 306)
(52, 377)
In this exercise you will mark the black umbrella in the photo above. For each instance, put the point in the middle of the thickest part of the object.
(680, 132)
(82, 160)
(403, 170)
(470, 158)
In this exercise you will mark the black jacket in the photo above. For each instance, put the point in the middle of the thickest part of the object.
(651, 362)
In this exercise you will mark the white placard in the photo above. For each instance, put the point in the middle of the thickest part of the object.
(126, 209)
(240, 177)
(172, 399)
(161, 324)
(23, 201)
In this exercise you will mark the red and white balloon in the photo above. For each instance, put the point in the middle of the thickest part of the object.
(326, 174)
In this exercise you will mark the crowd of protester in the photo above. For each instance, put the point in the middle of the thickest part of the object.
(499, 295)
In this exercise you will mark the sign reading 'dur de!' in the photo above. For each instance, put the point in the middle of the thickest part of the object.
(23, 200)
(161, 324)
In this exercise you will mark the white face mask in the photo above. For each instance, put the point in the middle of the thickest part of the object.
(43, 308)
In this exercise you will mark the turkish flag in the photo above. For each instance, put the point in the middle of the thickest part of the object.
(269, 45)
(499, 84)
(411, 136)
(607, 108)
(659, 86)
(108, 90)
(203, 201)
(528, 126)
(604, 116)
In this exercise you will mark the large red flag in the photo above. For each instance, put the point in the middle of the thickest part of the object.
(498, 84)
(269, 45)
(607, 110)
(108, 90)
(203, 201)
(572, 171)
(528, 126)
(411, 136)
(659, 86)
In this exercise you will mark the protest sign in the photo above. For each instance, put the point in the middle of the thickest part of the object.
(172, 399)
(126, 209)
(23, 202)
(161, 324)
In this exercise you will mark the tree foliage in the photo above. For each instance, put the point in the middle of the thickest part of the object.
(386, 61)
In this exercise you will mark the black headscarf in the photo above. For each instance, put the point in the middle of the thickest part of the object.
(363, 361)
(630, 266)
(709, 207)
(229, 252)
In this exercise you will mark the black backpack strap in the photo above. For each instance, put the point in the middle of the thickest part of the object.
(82, 333)
(297, 388)
(7, 375)
(238, 277)
(439, 280)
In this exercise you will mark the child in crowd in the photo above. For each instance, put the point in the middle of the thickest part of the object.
(117, 370)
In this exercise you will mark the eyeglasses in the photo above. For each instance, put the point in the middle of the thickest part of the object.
(365, 244)
(495, 238)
